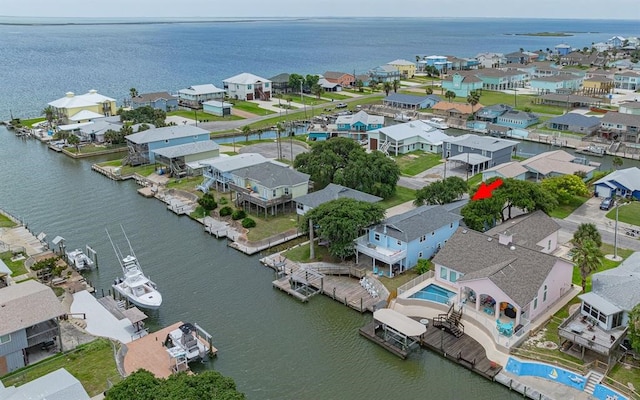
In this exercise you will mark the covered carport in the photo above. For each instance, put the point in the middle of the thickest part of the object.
(475, 163)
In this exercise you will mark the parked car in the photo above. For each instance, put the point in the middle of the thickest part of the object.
(606, 204)
(341, 105)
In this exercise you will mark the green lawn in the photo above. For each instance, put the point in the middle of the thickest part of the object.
(92, 364)
(92, 148)
(186, 184)
(606, 264)
(201, 115)
(250, 107)
(402, 195)
(271, 226)
(392, 284)
(625, 375)
(563, 210)
(16, 267)
(417, 161)
(489, 97)
(475, 180)
(334, 96)
(29, 122)
(301, 254)
(6, 222)
(629, 213)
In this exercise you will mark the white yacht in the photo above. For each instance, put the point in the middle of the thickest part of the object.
(135, 286)
(437, 123)
(79, 261)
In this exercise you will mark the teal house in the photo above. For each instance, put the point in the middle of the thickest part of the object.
(517, 119)
(462, 85)
(562, 83)
(359, 122)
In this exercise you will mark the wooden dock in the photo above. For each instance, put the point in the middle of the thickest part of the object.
(369, 331)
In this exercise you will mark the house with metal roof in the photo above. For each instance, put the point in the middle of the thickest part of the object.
(396, 244)
(217, 172)
(517, 119)
(409, 101)
(270, 187)
(461, 84)
(217, 107)
(407, 68)
(184, 159)
(624, 127)
(492, 112)
(574, 122)
(407, 137)
(359, 122)
(332, 191)
(246, 86)
(56, 385)
(157, 100)
(495, 79)
(478, 153)
(623, 183)
(195, 95)
(67, 107)
(491, 60)
(384, 73)
(601, 322)
(329, 86)
(29, 312)
(141, 145)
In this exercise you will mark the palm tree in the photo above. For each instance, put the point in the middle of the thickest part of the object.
(359, 85)
(417, 58)
(279, 129)
(450, 95)
(428, 90)
(133, 92)
(49, 113)
(584, 232)
(74, 141)
(396, 85)
(317, 90)
(387, 86)
(246, 131)
(473, 98)
(587, 259)
(617, 162)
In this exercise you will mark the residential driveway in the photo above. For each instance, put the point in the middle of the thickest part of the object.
(431, 175)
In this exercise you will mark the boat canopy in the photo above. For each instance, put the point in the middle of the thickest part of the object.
(399, 322)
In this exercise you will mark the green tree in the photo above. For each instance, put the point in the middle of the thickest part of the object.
(112, 137)
(246, 131)
(295, 82)
(441, 191)
(481, 215)
(208, 202)
(311, 80)
(565, 187)
(325, 159)
(617, 162)
(387, 86)
(49, 113)
(396, 85)
(142, 385)
(317, 90)
(74, 141)
(524, 195)
(341, 221)
(428, 90)
(144, 115)
(359, 84)
(133, 92)
(373, 85)
(633, 333)
(586, 231)
(423, 266)
(587, 257)
(473, 98)
(450, 95)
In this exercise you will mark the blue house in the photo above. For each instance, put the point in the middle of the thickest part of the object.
(409, 101)
(359, 122)
(441, 63)
(142, 144)
(396, 244)
(219, 108)
(462, 85)
(491, 113)
(158, 101)
(385, 73)
(478, 153)
(562, 49)
(218, 173)
(561, 83)
(517, 119)
(623, 182)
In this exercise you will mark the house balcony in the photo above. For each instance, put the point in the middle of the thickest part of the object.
(42, 332)
(586, 333)
(249, 196)
(380, 253)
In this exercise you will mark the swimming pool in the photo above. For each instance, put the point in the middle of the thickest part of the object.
(433, 292)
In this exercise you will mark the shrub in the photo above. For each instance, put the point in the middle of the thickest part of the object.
(207, 202)
(238, 214)
(224, 211)
(423, 266)
(248, 223)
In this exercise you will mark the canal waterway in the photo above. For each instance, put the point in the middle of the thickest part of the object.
(272, 345)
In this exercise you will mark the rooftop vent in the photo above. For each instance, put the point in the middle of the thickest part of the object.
(512, 248)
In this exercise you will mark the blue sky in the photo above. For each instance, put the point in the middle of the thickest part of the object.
(579, 9)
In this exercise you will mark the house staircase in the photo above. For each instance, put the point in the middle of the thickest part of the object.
(263, 95)
(450, 321)
(385, 147)
(614, 147)
(206, 184)
(593, 378)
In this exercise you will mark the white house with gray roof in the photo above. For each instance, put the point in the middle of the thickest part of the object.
(29, 313)
(246, 86)
(397, 243)
(407, 137)
(478, 153)
(195, 95)
(143, 144)
(332, 191)
(541, 166)
(624, 127)
(535, 231)
(56, 385)
(184, 159)
(217, 172)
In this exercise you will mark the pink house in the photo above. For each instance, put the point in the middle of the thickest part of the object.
(509, 279)
(535, 231)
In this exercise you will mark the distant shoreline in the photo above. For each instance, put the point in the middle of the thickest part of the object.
(141, 22)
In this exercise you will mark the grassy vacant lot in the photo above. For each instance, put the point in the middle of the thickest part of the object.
(417, 161)
(402, 196)
(186, 184)
(302, 252)
(144, 170)
(201, 116)
(629, 213)
(29, 122)
(270, 226)
(489, 97)
(250, 107)
(563, 210)
(334, 96)
(92, 364)
(92, 148)
(16, 267)
(606, 264)
(6, 222)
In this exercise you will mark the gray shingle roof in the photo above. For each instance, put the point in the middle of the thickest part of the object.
(406, 98)
(518, 271)
(271, 175)
(56, 385)
(187, 149)
(417, 222)
(621, 118)
(165, 133)
(333, 192)
(27, 304)
(147, 97)
(527, 230)
(575, 119)
(620, 285)
(481, 142)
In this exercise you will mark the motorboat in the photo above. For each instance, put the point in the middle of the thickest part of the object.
(79, 260)
(437, 123)
(402, 117)
(185, 342)
(135, 286)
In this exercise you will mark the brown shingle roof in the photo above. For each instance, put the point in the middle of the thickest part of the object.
(26, 304)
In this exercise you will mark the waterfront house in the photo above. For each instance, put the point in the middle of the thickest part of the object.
(616, 41)
(29, 315)
(562, 49)
(328, 86)
(478, 153)
(218, 108)
(94, 131)
(597, 85)
(461, 85)
(409, 101)
(217, 173)
(491, 60)
(574, 122)
(561, 83)
(498, 279)
(397, 243)
(547, 165)
(280, 84)
(630, 107)
(184, 159)
(454, 110)
(56, 385)
(601, 322)
(85, 116)
(157, 100)
(517, 119)
(623, 183)
(495, 79)
(511, 169)
(270, 186)
(441, 63)
(332, 191)
(407, 137)
(517, 57)
(195, 95)
(344, 79)
(624, 127)
(246, 86)
(385, 73)
(359, 122)
(535, 231)
(67, 107)
(142, 144)
(628, 80)
(406, 68)
(492, 112)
